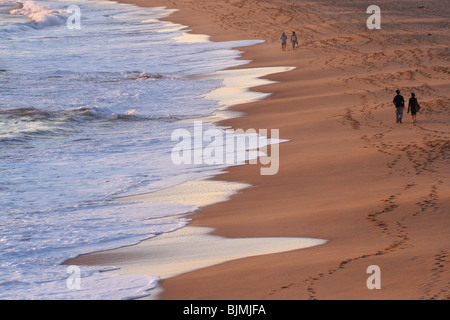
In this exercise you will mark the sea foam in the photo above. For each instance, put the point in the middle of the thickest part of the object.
(41, 15)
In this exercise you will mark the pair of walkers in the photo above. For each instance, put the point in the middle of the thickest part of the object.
(399, 103)
(294, 41)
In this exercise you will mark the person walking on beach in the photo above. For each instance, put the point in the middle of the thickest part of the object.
(294, 40)
(399, 104)
(413, 106)
(283, 41)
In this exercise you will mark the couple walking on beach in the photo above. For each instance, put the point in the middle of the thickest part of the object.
(399, 103)
(294, 41)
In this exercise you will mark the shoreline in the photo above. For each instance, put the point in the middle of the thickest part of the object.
(348, 174)
(239, 83)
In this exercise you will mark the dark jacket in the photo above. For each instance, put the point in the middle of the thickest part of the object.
(399, 101)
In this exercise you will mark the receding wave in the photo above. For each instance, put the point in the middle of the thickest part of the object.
(23, 124)
(32, 114)
(26, 112)
(96, 114)
(121, 76)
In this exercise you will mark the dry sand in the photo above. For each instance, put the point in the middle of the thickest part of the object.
(376, 190)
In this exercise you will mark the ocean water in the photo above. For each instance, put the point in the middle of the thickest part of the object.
(87, 115)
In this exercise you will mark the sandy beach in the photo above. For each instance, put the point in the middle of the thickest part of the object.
(375, 190)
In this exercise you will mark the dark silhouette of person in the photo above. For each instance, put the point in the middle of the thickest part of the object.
(399, 103)
(413, 106)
